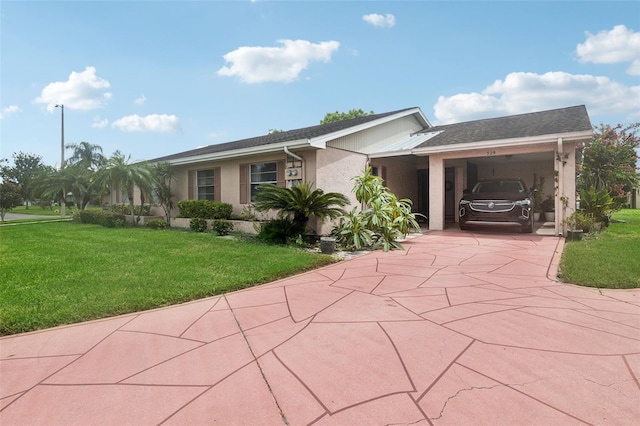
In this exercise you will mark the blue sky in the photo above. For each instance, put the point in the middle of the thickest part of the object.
(152, 78)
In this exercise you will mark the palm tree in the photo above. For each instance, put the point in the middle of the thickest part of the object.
(164, 175)
(300, 201)
(87, 154)
(120, 174)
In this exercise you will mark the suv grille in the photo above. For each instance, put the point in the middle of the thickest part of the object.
(492, 206)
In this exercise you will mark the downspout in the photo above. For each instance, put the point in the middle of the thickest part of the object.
(297, 157)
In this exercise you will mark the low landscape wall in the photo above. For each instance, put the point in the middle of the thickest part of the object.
(238, 225)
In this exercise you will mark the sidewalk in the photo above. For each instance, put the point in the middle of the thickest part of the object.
(460, 328)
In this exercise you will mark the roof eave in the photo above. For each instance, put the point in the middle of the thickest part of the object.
(245, 152)
(529, 140)
(390, 154)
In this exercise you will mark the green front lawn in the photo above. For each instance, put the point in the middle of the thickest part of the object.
(609, 260)
(61, 272)
(39, 211)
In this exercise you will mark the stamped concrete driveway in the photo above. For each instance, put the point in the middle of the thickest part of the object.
(457, 329)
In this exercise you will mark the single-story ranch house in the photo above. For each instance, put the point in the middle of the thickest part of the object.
(431, 165)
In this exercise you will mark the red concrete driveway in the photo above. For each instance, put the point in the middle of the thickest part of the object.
(459, 329)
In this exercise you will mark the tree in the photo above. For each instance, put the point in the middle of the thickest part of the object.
(86, 154)
(609, 162)
(119, 174)
(51, 184)
(300, 202)
(10, 197)
(332, 117)
(164, 175)
(23, 172)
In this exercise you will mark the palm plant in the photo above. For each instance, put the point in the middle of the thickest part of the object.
(86, 154)
(120, 174)
(300, 202)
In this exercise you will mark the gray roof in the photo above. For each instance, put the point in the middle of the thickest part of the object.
(279, 137)
(556, 121)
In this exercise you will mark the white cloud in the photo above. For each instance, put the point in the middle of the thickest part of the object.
(278, 64)
(99, 123)
(377, 20)
(525, 92)
(161, 123)
(140, 101)
(608, 47)
(82, 91)
(11, 109)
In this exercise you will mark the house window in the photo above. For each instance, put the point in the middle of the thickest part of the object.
(380, 171)
(205, 185)
(262, 173)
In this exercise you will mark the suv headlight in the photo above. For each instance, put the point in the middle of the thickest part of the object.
(464, 202)
(523, 203)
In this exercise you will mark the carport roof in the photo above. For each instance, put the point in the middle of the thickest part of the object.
(551, 122)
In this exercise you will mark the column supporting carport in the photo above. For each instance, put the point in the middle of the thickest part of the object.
(559, 189)
(436, 192)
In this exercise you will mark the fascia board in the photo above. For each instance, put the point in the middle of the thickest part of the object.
(321, 141)
(390, 154)
(567, 137)
(237, 153)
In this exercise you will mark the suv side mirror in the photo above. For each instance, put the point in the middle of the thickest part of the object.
(466, 191)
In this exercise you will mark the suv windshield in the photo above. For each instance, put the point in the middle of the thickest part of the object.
(498, 186)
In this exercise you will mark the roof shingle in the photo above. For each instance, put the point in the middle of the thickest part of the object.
(278, 137)
(563, 120)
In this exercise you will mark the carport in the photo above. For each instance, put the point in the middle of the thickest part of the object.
(455, 156)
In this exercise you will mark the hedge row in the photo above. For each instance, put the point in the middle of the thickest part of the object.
(204, 209)
(124, 208)
(100, 217)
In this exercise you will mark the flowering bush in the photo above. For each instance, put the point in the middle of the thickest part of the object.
(609, 162)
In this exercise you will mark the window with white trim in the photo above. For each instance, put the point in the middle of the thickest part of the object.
(205, 185)
(262, 173)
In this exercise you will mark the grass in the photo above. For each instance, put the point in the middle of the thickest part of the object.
(39, 211)
(62, 272)
(611, 259)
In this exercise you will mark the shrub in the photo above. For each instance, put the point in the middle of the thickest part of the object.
(580, 220)
(108, 219)
(279, 231)
(204, 209)
(198, 225)
(222, 227)
(596, 203)
(156, 224)
(383, 220)
(126, 209)
(45, 205)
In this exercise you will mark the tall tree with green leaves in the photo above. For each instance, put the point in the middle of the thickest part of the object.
(23, 172)
(609, 161)
(332, 117)
(9, 198)
(120, 174)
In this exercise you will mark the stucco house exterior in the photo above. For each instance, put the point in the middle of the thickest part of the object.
(431, 165)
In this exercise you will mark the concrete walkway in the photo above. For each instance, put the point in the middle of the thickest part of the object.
(460, 328)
